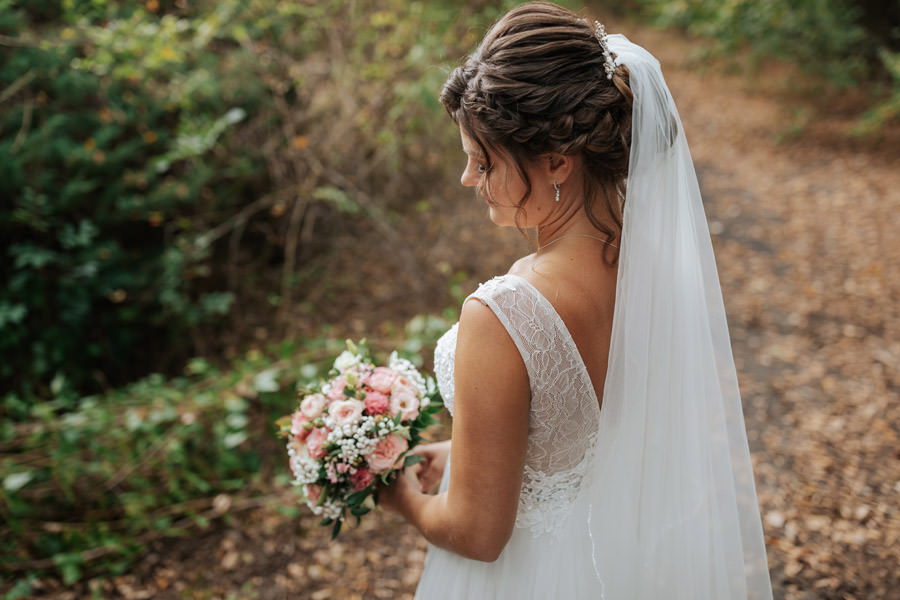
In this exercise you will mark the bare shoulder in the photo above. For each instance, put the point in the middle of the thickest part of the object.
(480, 328)
(522, 266)
(485, 351)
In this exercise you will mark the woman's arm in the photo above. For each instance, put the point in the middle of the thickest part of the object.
(476, 515)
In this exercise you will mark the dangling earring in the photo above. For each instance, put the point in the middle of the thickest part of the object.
(556, 187)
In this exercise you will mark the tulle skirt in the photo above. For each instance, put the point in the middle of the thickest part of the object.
(546, 566)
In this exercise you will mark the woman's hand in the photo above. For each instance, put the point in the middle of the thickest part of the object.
(419, 478)
(431, 470)
(395, 497)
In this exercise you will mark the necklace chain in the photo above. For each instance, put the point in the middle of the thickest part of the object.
(586, 235)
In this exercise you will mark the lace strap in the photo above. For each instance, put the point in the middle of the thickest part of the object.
(531, 321)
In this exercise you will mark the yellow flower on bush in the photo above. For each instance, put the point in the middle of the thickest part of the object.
(168, 53)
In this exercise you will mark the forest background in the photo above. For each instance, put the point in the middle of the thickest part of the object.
(200, 200)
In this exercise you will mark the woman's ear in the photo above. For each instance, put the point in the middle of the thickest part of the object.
(558, 167)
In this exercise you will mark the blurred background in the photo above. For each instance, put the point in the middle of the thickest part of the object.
(200, 200)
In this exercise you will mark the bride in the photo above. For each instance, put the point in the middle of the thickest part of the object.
(598, 444)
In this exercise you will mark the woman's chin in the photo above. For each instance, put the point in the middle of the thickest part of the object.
(501, 217)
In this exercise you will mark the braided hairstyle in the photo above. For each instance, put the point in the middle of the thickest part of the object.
(537, 85)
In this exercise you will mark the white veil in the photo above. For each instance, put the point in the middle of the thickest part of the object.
(673, 511)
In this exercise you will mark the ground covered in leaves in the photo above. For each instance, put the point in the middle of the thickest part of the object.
(804, 228)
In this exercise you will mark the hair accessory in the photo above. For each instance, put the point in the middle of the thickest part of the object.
(609, 65)
(556, 187)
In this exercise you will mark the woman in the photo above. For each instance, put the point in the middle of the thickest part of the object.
(598, 448)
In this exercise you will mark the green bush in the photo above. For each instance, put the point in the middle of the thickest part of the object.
(87, 488)
(103, 160)
(836, 41)
(148, 161)
(149, 460)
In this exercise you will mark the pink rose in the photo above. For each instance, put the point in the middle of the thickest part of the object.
(376, 403)
(315, 442)
(313, 491)
(361, 479)
(336, 392)
(345, 412)
(381, 379)
(386, 452)
(313, 405)
(298, 420)
(405, 399)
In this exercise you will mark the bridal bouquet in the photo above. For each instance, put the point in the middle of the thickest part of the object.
(355, 429)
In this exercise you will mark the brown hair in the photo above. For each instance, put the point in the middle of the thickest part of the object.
(537, 85)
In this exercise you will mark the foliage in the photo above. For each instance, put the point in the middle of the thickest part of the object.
(832, 40)
(153, 153)
(87, 488)
(101, 268)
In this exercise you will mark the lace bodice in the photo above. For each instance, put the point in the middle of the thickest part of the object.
(564, 411)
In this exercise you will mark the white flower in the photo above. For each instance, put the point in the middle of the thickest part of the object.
(313, 405)
(345, 413)
(405, 399)
(345, 360)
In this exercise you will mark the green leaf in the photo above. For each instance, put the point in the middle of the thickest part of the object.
(338, 198)
(357, 498)
(69, 566)
(78, 237)
(27, 255)
(235, 439)
(287, 511)
(266, 381)
(336, 529)
(10, 314)
(21, 589)
(412, 459)
(14, 482)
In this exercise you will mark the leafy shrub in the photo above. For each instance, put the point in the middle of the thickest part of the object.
(840, 42)
(143, 461)
(88, 487)
(97, 154)
(149, 160)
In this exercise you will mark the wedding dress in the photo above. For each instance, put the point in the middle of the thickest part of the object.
(549, 553)
(649, 495)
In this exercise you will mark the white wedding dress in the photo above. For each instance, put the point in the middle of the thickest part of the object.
(549, 553)
(652, 497)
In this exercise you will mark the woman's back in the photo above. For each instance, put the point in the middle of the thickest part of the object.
(581, 286)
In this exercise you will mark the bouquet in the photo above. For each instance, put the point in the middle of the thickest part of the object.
(356, 429)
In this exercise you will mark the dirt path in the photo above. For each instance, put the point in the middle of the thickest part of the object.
(810, 269)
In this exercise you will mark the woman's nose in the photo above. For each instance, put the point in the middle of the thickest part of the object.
(469, 177)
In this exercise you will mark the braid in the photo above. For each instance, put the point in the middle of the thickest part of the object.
(536, 85)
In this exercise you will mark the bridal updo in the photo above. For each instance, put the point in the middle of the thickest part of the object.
(537, 85)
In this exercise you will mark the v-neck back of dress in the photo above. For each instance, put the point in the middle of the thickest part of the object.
(564, 411)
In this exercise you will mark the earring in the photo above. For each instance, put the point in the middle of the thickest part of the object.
(556, 187)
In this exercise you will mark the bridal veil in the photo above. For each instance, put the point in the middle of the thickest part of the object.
(673, 510)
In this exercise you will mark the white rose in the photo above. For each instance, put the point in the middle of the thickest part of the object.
(345, 360)
(345, 412)
(404, 399)
(313, 405)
